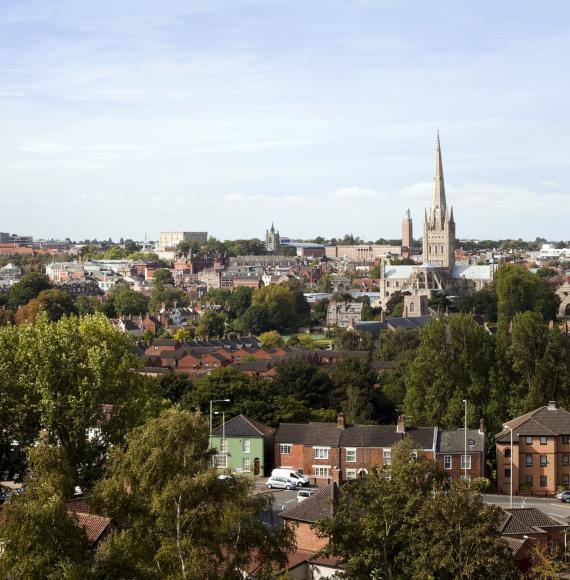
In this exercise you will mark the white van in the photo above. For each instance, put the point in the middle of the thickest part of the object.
(299, 479)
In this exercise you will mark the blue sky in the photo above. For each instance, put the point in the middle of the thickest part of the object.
(124, 117)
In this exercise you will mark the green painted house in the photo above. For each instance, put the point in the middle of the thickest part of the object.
(247, 448)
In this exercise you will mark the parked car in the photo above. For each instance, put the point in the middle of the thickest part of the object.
(564, 496)
(304, 494)
(280, 483)
(298, 478)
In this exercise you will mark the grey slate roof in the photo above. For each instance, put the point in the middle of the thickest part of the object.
(242, 426)
(318, 506)
(542, 421)
(517, 521)
(330, 435)
(454, 441)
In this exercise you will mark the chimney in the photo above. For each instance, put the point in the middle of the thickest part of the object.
(340, 421)
(482, 426)
(552, 405)
(401, 428)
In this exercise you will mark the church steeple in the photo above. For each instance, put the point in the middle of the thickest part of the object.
(438, 204)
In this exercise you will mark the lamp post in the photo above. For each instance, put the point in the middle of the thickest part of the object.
(511, 467)
(465, 441)
(212, 401)
(223, 435)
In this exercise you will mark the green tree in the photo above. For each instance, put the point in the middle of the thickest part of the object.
(55, 378)
(211, 324)
(40, 540)
(348, 339)
(123, 300)
(453, 362)
(178, 519)
(271, 339)
(29, 286)
(256, 319)
(169, 297)
(239, 301)
(304, 381)
(55, 303)
(483, 302)
(457, 537)
(162, 277)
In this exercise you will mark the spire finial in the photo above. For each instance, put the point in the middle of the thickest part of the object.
(438, 205)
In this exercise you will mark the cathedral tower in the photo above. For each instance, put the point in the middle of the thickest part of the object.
(272, 240)
(439, 226)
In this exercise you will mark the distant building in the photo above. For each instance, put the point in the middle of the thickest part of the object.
(272, 240)
(169, 240)
(407, 234)
(344, 314)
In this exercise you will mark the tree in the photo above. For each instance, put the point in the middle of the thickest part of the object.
(211, 324)
(239, 301)
(87, 305)
(457, 536)
(55, 303)
(483, 302)
(545, 563)
(29, 286)
(39, 538)
(169, 297)
(255, 320)
(518, 291)
(177, 518)
(399, 523)
(55, 378)
(162, 277)
(122, 300)
(453, 362)
(304, 381)
(271, 339)
(347, 339)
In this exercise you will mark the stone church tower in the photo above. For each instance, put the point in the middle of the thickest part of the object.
(439, 226)
(272, 240)
(407, 235)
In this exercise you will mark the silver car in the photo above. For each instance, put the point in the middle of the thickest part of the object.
(279, 482)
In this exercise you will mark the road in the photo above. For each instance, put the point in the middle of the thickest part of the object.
(550, 506)
(283, 500)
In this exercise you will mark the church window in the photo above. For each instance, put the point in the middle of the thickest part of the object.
(412, 306)
(442, 249)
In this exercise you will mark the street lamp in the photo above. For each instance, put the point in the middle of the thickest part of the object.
(223, 413)
(511, 484)
(212, 401)
(465, 456)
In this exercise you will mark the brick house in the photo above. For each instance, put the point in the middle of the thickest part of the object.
(337, 452)
(540, 452)
(451, 456)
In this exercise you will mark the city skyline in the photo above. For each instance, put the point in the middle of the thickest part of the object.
(226, 116)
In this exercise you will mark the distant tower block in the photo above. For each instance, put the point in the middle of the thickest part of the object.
(407, 234)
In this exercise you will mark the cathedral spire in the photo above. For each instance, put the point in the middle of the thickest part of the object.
(438, 205)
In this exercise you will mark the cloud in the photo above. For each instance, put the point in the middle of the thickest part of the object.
(356, 194)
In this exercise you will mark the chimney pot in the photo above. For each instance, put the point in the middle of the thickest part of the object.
(552, 405)
(481, 425)
(340, 421)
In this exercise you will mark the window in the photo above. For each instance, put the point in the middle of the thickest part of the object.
(529, 440)
(565, 479)
(466, 462)
(565, 459)
(387, 456)
(565, 439)
(507, 473)
(529, 460)
(528, 480)
(543, 461)
(246, 446)
(351, 474)
(285, 449)
(224, 445)
(321, 452)
(351, 455)
(447, 462)
(543, 440)
(221, 461)
(246, 463)
(471, 442)
(508, 453)
(320, 471)
(543, 481)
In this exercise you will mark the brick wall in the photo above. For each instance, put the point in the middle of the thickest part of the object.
(477, 465)
(306, 538)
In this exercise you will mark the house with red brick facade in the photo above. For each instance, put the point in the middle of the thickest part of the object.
(335, 452)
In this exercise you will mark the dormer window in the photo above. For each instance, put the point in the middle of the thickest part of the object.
(471, 442)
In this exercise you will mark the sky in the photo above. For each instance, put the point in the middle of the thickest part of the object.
(125, 117)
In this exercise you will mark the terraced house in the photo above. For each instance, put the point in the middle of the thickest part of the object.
(538, 460)
(335, 452)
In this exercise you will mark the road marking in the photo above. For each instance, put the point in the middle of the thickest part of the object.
(294, 499)
(556, 515)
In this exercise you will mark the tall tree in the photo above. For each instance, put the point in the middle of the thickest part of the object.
(178, 519)
(29, 286)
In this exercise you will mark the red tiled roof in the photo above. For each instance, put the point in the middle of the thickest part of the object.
(93, 526)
